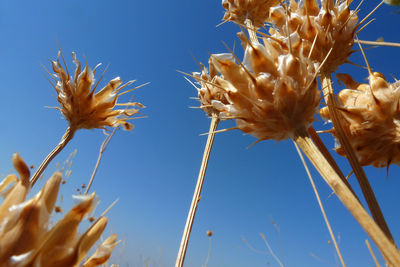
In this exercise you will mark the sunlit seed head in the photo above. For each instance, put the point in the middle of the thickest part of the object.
(331, 24)
(257, 11)
(271, 95)
(371, 119)
(83, 107)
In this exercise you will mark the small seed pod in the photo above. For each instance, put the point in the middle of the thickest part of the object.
(332, 25)
(371, 119)
(257, 11)
(210, 89)
(272, 94)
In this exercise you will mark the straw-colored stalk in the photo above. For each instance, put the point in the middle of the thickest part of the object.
(197, 193)
(328, 225)
(385, 245)
(362, 179)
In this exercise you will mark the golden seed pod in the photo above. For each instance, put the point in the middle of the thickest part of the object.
(27, 237)
(82, 107)
(103, 252)
(272, 94)
(257, 11)
(371, 119)
(210, 89)
(332, 25)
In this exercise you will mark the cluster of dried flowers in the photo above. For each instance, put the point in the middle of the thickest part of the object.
(27, 235)
(273, 92)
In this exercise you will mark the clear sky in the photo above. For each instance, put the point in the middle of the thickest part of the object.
(153, 169)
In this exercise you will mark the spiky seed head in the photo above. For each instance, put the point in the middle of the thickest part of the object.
(257, 11)
(371, 119)
(210, 89)
(272, 94)
(332, 23)
(85, 109)
(27, 237)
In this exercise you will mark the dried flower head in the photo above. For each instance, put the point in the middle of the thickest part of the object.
(332, 25)
(371, 119)
(257, 11)
(272, 94)
(27, 237)
(82, 107)
(210, 89)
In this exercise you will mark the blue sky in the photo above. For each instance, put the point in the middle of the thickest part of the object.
(153, 169)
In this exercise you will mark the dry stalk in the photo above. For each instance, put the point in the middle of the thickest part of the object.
(197, 192)
(328, 225)
(102, 149)
(358, 170)
(372, 253)
(378, 43)
(68, 135)
(385, 245)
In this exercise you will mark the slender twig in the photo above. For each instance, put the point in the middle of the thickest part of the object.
(328, 225)
(372, 253)
(102, 149)
(196, 195)
(362, 179)
(378, 43)
(68, 135)
(270, 250)
(385, 245)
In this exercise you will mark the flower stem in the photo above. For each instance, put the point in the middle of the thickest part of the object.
(328, 225)
(102, 149)
(68, 135)
(196, 195)
(385, 245)
(358, 170)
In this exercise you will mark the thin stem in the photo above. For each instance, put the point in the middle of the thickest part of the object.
(362, 179)
(378, 43)
(251, 30)
(102, 149)
(328, 225)
(68, 135)
(196, 195)
(385, 245)
(372, 253)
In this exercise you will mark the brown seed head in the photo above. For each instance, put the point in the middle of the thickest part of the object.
(257, 11)
(332, 24)
(371, 114)
(272, 94)
(210, 89)
(82, 107)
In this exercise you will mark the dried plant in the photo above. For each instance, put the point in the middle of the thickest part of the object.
(27, 237)
(272, 94)
(371, 119)
(85, 109)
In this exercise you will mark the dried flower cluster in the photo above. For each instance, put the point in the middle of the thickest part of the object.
(27, 237)
(272, 94)
(210, 89)
(256, 11)
(371, 114)
(82, 107)
(332, 25)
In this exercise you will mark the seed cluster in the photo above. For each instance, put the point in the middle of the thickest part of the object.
(371, 119)
(27, 237)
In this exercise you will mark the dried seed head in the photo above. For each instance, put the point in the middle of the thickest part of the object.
(371, 114)
(82, 107)
(332, 25)
(210, 89)
(272, 94)
(26, 236)
(102, 253)
(257, 11)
